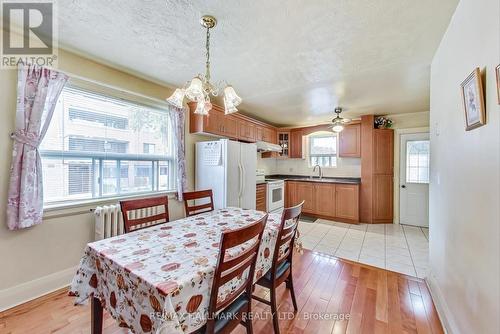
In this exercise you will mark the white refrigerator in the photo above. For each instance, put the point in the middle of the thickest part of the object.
(228, 168)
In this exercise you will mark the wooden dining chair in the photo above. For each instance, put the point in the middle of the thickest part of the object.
(197, 195)
(146, 212)
(281, 269)
(225, 315)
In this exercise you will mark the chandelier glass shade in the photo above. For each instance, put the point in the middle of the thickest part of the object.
(199, 89)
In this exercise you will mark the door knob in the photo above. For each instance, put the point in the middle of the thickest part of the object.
(403, 186)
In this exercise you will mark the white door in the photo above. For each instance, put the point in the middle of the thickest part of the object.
(414, 179)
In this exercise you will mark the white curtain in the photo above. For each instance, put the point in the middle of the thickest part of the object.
(38, 89)
(178, 118)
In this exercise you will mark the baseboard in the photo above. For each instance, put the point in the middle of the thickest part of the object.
(442, 308)
(28, 291)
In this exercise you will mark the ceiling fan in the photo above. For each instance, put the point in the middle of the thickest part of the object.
(339, 122)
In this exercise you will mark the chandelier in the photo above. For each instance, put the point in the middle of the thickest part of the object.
(338, 122)
(200, 88)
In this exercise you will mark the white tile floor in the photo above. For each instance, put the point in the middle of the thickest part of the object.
(400, 248)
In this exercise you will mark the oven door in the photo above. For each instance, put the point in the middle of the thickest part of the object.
(275, 197)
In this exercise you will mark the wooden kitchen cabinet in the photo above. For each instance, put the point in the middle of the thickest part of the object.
(324, 199)
(284, 142)
(234, 126)
(296, 143)
(246, 131)
(230, 127)
(266, 134)
(214, 122)
(347, 201)
(290, 194)
(261, 197)
(382, 198)
(350, 141)
(383, 151)
(305, 192)
(377, 173)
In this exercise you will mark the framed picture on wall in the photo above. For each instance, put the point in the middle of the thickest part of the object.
(473, 101)
(497, 71)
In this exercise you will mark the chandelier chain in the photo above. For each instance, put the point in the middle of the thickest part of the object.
(207, 65)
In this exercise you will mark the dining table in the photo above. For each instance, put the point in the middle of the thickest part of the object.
(158, 279)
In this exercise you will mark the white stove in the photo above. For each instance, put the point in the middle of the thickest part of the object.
(275, 192)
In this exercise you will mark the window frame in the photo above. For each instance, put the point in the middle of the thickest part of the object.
(310, 155)
(97, 159)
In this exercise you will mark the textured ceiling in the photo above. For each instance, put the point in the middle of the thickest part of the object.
(291, 61)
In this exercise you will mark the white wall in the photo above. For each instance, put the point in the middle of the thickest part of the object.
(465, 186)
(43, 258)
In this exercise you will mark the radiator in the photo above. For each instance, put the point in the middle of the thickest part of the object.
(108, 221)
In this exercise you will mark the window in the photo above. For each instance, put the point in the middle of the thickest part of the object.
(98, 146)
(148, 148)
(417, 161)
(98, 118)
(323, 150)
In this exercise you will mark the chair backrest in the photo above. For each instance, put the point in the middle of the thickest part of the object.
(196, 209)
(229, 267)
(142, 213)
(286, 236)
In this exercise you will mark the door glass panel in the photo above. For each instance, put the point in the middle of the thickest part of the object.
(417, 161)
(277, 195)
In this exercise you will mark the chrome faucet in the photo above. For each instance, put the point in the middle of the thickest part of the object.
(320, 172)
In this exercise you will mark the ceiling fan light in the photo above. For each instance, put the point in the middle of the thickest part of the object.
(337, 128)
(231, 96)
(177, 98)
(195, 90)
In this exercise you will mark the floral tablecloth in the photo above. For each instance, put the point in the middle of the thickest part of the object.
(158, 280)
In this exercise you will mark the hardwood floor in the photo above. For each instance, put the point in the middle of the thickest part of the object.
(366, 300)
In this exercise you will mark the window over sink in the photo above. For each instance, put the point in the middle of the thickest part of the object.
(322, 149)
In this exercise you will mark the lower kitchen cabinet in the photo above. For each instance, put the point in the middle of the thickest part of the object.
(326, 200)
(261, 197)
(347, 201)
(305, 192)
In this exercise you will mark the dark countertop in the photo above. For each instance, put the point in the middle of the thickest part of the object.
(303, 178)
(261, 182)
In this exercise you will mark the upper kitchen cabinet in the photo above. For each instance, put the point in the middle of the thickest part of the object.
(350, 141)
(234, 126)
(296, 143)
(246, 130)
(284, 142)
(267, 134)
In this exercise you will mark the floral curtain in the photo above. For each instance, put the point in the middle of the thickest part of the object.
(38, 89)
(178, 117)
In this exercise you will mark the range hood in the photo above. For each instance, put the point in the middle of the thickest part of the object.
(263, 146)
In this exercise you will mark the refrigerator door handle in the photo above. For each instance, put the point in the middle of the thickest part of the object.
(243, 180)
(240, 168)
